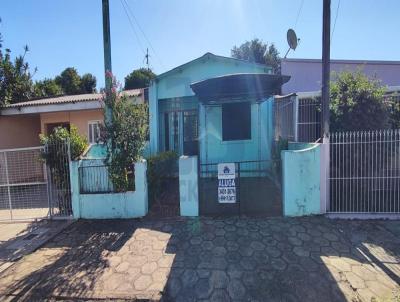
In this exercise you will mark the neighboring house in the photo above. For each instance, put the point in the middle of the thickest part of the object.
(21, 123)
(306, 74)
(220, 109)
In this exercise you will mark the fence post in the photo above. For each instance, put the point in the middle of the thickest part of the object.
(8, 185)
(141, 186)
(74, 179)
(324, 174)
(296, 117)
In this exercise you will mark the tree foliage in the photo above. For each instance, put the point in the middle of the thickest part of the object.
(258, 52)
(139, 78)
(125, 137)
(15, 77)
(88, 83)
(357, 103)
(46, 88)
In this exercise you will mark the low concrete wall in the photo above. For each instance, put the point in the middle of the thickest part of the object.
(188, 186)
(301, 179)
(111, 205)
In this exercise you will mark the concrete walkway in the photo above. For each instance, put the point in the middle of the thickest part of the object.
(19, 238)
(233, 259)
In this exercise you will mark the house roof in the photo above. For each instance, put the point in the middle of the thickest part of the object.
(210, 55)
(254, 85)
(71, 99)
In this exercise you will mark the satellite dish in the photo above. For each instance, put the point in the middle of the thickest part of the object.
(292, 40)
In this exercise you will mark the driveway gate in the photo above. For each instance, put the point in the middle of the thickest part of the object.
(258, 189)
(29, 189)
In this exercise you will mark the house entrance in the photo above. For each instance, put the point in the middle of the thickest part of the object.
(253, 188)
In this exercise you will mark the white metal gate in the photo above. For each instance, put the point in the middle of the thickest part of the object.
(23, 184)
(365, 172)
(31, 190)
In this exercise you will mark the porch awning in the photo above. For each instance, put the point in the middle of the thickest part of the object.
(238, 86)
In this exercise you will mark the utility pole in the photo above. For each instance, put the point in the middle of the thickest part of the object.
(326, 41)
(107, 57)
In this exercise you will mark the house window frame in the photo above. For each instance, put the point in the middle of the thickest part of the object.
(239, 140)
(92, 122)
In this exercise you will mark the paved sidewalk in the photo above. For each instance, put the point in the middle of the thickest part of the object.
(232, 259)
(19, 238)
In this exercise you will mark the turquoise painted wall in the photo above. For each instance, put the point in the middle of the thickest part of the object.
(301, 179)
(213, 149)
(176, 83)
(113, 205)
(188, 186)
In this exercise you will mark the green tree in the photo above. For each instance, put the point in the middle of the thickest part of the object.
(139, 78)
(357, 103)
(46, 88)
(70, 81)
(15, 77)
(125, 138)
(258, 52)
(88, 83)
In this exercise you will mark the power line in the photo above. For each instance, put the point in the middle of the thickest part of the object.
(298, 13)
(334, 23)
(143, 33)
(133, 28)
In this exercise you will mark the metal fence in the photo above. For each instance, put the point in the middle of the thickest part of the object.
(23, 184)
(285, 117)
(309, 119)
(365, 172)
(94, 179)
(58, 157)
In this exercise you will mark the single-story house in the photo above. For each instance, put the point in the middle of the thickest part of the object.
(221, 110)
(21, 123)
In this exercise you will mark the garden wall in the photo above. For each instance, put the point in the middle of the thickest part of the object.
(129, 204)
(301, 173)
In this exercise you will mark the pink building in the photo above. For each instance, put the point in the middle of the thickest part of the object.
(306, 74)
(21, 123)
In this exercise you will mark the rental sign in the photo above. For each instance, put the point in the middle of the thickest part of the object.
(226, 183)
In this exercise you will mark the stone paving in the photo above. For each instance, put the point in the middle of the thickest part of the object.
(210, 259)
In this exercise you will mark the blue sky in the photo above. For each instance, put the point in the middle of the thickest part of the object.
(67, 33)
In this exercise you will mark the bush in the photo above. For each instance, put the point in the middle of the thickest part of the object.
(59, 137)
(160, 167)
(357, 103)
(125, 137)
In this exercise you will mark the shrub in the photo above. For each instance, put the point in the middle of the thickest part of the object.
(160, 167)
(125, 137)
(357, 103)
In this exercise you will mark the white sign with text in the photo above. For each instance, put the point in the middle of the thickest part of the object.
(226, 183)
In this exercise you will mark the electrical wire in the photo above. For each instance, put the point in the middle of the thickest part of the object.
(133, 28)
(143, 33)
(334, 23)
(298, 13)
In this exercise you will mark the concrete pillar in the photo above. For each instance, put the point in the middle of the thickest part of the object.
(74, 179)
(188, 186)
(141, 185)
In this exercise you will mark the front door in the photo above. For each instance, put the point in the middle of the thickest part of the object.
(180, 133)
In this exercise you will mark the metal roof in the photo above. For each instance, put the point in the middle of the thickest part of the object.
(240, 85)
(71, 99)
